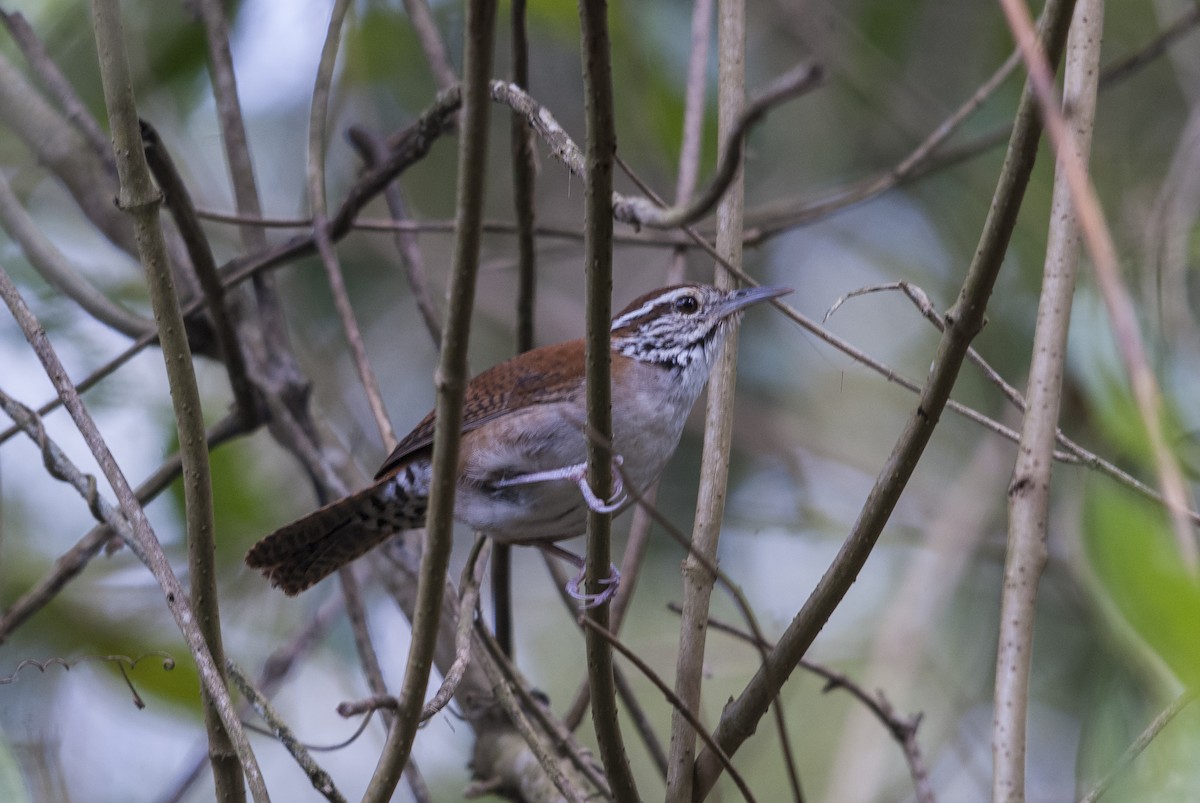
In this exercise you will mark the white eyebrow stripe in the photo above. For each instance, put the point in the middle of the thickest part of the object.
(649, 305)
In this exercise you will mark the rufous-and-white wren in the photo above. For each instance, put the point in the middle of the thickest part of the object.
(522, 474)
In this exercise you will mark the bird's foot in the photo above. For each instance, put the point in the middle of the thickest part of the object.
(611, 583)
(578, 475)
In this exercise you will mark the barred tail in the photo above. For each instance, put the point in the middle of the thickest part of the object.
(301, 554)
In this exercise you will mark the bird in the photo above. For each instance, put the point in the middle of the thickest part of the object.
(522, 460)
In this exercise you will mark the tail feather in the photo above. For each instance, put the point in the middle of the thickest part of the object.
(299, 555)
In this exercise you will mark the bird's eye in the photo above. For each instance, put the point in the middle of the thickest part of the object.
(687, 304)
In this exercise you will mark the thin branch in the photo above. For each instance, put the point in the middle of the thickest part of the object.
(179, 203)
(59, 87)
(524, 175)
(600, 144)
(641, 212)
(565, 784)
(267, 337)
(964, 320)
(141, 199)
(469, 591)
(316, 200)
(1098, 240)
(718, 423)
(138, 533)
(431, 43)
(777, 216)
(318, 777)
(275, 670)
(677, 705)
(1069, 452)
(72, 562)
(356, 613)
(64, 151)
(904, 731)
(372, 151)
(693, 121)
(1029, 491)
(636, 545)
(451, 385)
(57, 270)
(1140, 743)
(633, 707)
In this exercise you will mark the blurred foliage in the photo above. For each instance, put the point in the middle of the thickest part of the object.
(1136, 560)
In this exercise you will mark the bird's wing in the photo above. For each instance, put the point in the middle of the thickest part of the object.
(541, 376)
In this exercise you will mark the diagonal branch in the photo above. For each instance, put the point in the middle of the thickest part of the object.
(964, 320)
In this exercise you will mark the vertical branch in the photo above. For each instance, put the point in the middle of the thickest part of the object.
(693, 123)
(1121, 311)
(233, 127)
(718, 420)
(598, 230)
(524, 174)
(1029, 491)
(276, 349)
(450, 380)
(963, 322)
(141, 199)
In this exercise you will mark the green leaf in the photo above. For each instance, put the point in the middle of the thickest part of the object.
(1129, 542)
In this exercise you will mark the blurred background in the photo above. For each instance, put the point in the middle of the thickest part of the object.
(1118, 633)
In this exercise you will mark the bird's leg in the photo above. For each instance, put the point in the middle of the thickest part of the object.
(613, 581)
(578, 475)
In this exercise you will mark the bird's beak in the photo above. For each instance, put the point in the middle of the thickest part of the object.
(738, 300)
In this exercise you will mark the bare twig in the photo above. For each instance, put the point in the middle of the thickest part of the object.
(567, 785)
(676, 703)
(356, 612)
(1029, 491)
(598, 222)
(431, 43)
(718, 421)
(132, 524)
(318, 777)
(72, 562)
(316, 200)
(904, 731)
(524, 173)
(1098, 240)
(451, 383)
(693, 122)
(372, 151)
(179, 203)
(141, 199)
(641, 212)
(965, 319)
(58, 271)
(57, 84)
(469, 590)
(123, 661)
(1069, 451)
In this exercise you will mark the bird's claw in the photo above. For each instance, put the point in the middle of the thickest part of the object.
(612, 583)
